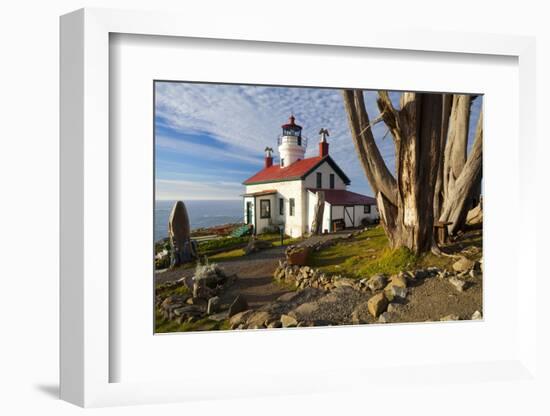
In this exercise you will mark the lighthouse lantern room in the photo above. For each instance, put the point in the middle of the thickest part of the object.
(292, 146)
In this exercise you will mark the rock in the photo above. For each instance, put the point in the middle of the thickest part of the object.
(179, 233)
(288, 321)
(398, 280)
(305, 309)
(240, 317)
(395, 292)
(420, 274)
(287, 297)
(220, 316)
(258, 319)
(274, 324)
(239, 304)
(377, 304)
(457, 283)
(213, 305)
(377, 282)
(407, 275)
(395, 307)
(344, 281)
(451, 317)
(361, 314)
(384, 318)
(463, 265)
(476, 316)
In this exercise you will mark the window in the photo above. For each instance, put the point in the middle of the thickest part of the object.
(281, 206)
(265, 208)
(332, 181)
(366, 209)
(291, 207)
(319, 180)
(282, 163)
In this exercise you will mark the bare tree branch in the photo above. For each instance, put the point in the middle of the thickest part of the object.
(380, 178)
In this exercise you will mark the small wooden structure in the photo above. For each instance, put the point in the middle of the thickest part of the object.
(442, 231)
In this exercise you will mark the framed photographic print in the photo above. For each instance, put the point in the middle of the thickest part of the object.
(291, 209)
(350, 245)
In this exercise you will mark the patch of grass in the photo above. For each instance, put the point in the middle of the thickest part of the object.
(369, 253)
(227, 255)
(164, 291)
(219, 243)
(162, 325)
(363, 256)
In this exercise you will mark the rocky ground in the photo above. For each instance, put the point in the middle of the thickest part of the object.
(263, 291)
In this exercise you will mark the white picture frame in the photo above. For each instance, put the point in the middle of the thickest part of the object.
(86, 355)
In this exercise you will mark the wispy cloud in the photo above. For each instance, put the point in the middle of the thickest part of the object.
(237, 122)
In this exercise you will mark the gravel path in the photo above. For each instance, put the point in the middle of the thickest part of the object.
(255, 277)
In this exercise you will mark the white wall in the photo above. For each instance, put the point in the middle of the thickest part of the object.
(294, 225)
(326, 170)
(359, 214)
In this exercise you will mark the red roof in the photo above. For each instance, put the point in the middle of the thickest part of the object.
(275, 173)
(343, 197)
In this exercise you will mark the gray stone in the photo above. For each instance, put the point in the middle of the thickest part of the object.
(213, 305)
(220, 316)
(377, 282)
(476, 316)
(395, 292)
(395, 307)
(274, 324)
(344, 281)
(240, 317)
(398, 280)
(377, 304)
(305, 309)
(179, 235)
(384, 318)
(239, 304)
(457, 283)
(258, 319)
(288, 321)
(463, 264)
(360, 314)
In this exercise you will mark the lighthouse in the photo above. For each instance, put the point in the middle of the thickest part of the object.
(292, 146)
(288, 196)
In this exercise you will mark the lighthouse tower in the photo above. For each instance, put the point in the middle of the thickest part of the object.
(292, 146)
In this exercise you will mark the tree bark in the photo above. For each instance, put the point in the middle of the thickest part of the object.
(317, 225)
(460, 191)
(375, 169)
(405, 203)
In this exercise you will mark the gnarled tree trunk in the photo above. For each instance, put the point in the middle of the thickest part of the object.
(433, 179)
(406, 201)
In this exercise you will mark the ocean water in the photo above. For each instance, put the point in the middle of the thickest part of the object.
(201, 214)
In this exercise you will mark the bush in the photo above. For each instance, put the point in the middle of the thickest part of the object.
(228, 242)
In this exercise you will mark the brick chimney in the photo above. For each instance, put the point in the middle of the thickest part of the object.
(268, 160)
(323, 144)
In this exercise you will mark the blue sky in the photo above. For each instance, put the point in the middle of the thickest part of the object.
(210, 137)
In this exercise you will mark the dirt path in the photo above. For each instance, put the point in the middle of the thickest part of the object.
(255, 277)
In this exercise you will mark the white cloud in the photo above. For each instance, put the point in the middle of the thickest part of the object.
(247, 118)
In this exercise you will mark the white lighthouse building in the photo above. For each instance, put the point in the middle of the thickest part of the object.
(287, 193)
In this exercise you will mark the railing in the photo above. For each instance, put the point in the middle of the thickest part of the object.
(300, 141)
